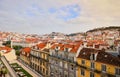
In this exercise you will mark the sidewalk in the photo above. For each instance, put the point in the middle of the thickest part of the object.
(28, 69)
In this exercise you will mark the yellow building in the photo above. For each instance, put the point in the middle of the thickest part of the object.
(39, 59)
(25, 54)
(97, 63)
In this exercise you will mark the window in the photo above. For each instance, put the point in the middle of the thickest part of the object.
(56, 52)
(66, 53)
(61, 75)
(82, 62)
(92, 65)
(71, 67)
(117, 71)
(66, 66)
(37, 54)
(33, 58)
(43, 70)
(40, 55)
(44, 63)
(40, 68)
(43, 56)
(66, 49)
(27, 54)
(91, 74)
(56, 62)
(104, 68)
(46, 72)
(71, 59)
(92, 57)
(82, 72)
(57, 48)
(24, 53)
(40, 62)
(61, 64)
(66, 76)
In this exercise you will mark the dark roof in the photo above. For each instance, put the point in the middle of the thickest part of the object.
(46, 50)
(85, 53)
(107, 58)
(102, 56)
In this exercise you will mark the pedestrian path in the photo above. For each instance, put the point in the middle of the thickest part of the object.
(28, 69)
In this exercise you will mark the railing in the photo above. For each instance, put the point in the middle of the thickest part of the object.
(34, 56)
(64, 59)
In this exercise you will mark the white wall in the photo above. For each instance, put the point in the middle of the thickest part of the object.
(10, 56)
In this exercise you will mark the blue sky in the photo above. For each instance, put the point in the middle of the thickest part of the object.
(68, 16)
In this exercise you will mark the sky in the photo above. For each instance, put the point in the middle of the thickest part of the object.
(65, 16)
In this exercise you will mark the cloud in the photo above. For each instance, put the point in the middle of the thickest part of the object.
(35, 16)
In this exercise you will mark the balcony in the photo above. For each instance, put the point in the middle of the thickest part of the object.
(35, 56)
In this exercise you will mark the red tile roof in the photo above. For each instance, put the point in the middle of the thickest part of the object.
(75, 48)
(41, 45)
(30, 40)
(8, 49)
(26, 49)
(57, 45)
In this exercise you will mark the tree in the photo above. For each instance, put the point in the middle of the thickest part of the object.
(4, 71)
(7, 43)
(17, 47)
(17, 52)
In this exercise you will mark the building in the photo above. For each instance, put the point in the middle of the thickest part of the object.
(25, 55)
(39, 58)
(22, 43)
(97, 63)
(8, 52)
(62, 60)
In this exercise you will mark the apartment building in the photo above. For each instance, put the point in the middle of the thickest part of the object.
(62, 60)
(25, 55)
(39, 58)
(98, 62)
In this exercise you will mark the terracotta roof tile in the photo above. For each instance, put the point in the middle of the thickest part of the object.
(57, 45)
(26, 49)
(75, 48)
(8, 49)
(41, 45)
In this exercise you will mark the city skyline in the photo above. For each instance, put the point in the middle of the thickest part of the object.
(69, 16)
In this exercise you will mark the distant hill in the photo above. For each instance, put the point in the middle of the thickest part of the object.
(83, 33)
(105, 28)
(74, 34)
(96, 29)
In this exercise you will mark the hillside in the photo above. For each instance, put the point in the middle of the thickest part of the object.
(74, 34)
(105, 28)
